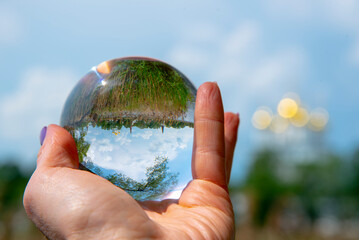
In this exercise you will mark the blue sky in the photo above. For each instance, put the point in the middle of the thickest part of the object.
(256, 51)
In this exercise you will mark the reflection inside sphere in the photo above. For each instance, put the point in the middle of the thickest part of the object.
(132, 121)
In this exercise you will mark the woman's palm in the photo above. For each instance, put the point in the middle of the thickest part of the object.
(68, 203)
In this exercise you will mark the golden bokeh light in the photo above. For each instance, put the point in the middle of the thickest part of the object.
(318, 119)
(287, 108)
(262, 118)
(279, 124)
(301, 118)
(290, 112)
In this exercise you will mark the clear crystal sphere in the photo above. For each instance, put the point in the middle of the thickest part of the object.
(132, 121)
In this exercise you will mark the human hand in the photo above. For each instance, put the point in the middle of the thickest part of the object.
(67, 203)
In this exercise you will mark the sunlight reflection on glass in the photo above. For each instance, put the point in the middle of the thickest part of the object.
(104, 68)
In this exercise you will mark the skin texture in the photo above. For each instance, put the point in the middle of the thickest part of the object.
(67, 203)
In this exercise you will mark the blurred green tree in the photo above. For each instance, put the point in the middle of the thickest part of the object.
(264, 184)
(158, 182)
(12, 185)
(325, 184)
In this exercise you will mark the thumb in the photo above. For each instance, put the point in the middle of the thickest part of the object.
(58, 149)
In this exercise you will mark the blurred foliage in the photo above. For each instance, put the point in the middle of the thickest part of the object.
(286, 198)
(12, 185)
(264, 184)
(354, 183)
(13, 221)
(309, 190)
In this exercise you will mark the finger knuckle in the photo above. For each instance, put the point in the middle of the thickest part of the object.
(213, 151)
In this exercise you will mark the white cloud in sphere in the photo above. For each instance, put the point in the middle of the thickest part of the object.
(132, 153)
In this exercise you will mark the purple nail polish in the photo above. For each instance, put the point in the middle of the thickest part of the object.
(43, 135)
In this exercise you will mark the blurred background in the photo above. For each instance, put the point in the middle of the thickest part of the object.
(290, 68)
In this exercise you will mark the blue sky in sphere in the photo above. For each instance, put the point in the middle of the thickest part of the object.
(256, 50)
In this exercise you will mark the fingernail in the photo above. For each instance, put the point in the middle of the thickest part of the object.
(43, 135)
(238, 115)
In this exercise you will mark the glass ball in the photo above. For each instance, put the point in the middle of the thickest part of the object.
(132, 120)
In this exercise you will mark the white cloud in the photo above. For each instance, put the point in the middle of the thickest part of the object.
(294, 9)
(222, 59)
(188, 57)
(146, 134)
(246, 73)
(11, 27)
(201, 33)
(342, 14)
(354, 53)
(277, 70)
(261, 82)
(36, 102)
(105, 145)
(240, 39)
(136, 151)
